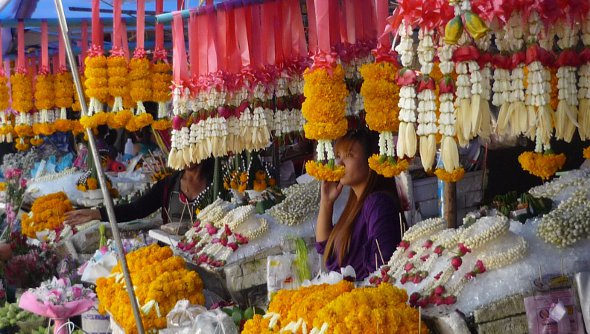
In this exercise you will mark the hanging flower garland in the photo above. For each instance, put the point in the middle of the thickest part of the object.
(6, 127)
(469, 88)
(406, 143)
(446, 122)
(482, 124)
(501, 86)
(538, 93)
(426, 99)
(520, 118)
(324, 108)
(44, 101)
(584, 83)
(141, 86)
(566, 114)
(64, 93)
(161, 74)
(381, 97)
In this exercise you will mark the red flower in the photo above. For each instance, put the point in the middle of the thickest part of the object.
(450, 300)
(424, 257)
(427, 244)
(439, 290)
(438, 250)
(463, 249)
(417, 279)
(456, 262)
(437, 276)
(470, 275)
(233, 246)
(414, 297)
(404, 279)
(411, 254)
(409, 266)
(404, 244)
(479, 267)
(406, 77)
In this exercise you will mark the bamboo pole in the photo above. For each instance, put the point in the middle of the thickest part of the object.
(108, 200)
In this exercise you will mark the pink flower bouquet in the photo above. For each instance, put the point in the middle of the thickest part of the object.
(59, 300)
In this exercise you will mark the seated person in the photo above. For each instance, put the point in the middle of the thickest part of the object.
(368, 229)
(177, 195)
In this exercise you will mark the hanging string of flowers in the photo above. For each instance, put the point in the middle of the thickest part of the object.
(381, 97)
(566, 114)
(520, 117)
(446, 122)
(64, 91)
(6, 127)
(22, 95)
(426, 99)
(406, 143)
(44, 93)
(161, 76)
(324, 108)
(584, 82)
(96, 73)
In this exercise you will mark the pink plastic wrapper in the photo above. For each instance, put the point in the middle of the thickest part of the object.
(59, 313)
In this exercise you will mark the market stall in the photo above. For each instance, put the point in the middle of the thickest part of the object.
(173, 162)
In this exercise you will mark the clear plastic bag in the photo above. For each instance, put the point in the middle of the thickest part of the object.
(181, 318)
(214, 322)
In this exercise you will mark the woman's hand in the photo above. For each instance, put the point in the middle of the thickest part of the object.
(330, 192)
(78, 217)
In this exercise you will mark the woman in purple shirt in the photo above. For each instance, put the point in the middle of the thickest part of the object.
(370, 220)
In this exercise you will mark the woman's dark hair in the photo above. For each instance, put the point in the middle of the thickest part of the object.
(339, 240)
(207, 167)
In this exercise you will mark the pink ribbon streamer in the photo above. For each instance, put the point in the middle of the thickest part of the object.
(140, 24)
(96, 28)
(180, 66)
(44, 68)
(312, 24)
(21, 65)
(193, 42)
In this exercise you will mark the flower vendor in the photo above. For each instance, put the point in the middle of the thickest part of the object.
(178, 195)
(369, 227)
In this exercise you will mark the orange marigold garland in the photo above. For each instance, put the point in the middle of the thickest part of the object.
(47, 213)
(541, 164)
(160, 280)
(454, 176)
(118, 83)
(162, 124)
(141, 85)
(381, 97)
(324, 109)
(161, 79)
(6, 127)
(96, 88)
(44, 102)
(22, 101)
(586, 153)
(64, 96)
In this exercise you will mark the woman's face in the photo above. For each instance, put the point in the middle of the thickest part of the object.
(351, 155)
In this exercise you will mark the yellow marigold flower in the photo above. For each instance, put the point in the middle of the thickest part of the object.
(47, 213)
(586, 153)
(317, 131)
(543, 165)
(162, 124)
(445, 176)
(22, 92)
(387, 166)
(323, 171)
(91, 183)
(381, 96)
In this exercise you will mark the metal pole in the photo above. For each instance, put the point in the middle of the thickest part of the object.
(101, 177)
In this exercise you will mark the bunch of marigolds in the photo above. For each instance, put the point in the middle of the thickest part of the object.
(338, 308)
(160, 280)
(47, 213)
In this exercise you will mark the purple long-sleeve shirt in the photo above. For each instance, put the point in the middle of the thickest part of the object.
(377, 220)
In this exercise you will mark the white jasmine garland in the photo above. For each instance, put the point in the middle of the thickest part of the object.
(569, 223)
(406, 143)
(485, 230)
(567, 110)
(498, 258)
(424, 228)
(446, 121)
(584, 86)
(426, 102)
(300, 201)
